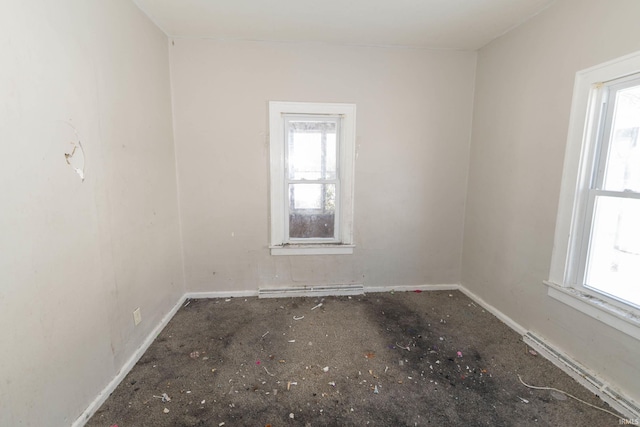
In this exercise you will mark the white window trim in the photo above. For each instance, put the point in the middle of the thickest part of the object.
(623, 319)
(346, 161)
(565, 260)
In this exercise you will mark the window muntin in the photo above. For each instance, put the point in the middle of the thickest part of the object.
(610, 259)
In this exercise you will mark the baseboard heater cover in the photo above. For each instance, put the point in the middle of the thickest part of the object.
(621, 404)
(311, 291)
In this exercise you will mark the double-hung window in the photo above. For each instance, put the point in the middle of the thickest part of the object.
(312, 155)
(596, 259)
(610, 259)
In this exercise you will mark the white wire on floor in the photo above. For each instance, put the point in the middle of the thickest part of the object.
(571, 396)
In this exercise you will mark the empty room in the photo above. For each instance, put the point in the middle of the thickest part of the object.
(320, 213)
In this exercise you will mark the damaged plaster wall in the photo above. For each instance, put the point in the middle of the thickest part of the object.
(521, 116)
(413, 127)
(79, 255)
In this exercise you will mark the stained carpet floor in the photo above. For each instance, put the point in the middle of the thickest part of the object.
(393, 359)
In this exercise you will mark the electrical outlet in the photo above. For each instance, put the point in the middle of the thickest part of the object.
(137, 316)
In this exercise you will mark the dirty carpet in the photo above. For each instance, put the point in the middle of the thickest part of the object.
(393, 359)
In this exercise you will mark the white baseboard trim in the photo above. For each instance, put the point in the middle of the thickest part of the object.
(220, 294)
(131, 362)
(404, 288)
(491, 309)
(584, 376)
(311, 291)
(337, 290)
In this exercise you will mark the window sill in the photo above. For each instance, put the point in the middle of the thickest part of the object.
(624, 320)
(312, 250)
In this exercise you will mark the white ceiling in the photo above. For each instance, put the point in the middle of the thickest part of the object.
(447, 24)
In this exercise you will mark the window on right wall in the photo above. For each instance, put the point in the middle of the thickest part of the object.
(595, 264)
(610, 261)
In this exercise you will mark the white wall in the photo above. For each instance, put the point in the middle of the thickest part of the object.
(523, 98)
(413, 127)
(78, 257)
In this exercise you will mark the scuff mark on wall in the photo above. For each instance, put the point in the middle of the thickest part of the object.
(75, 158)
(76, 163)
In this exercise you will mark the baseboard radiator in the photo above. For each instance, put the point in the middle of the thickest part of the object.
(311, 291)
(626, 407)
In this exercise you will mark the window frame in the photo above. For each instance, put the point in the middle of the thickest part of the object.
(581, 170)
(280, 242)
(605, 97)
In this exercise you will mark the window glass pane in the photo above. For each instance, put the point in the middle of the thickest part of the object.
(623, 160)
(312, 210)
(312, 149)
(613, 264)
